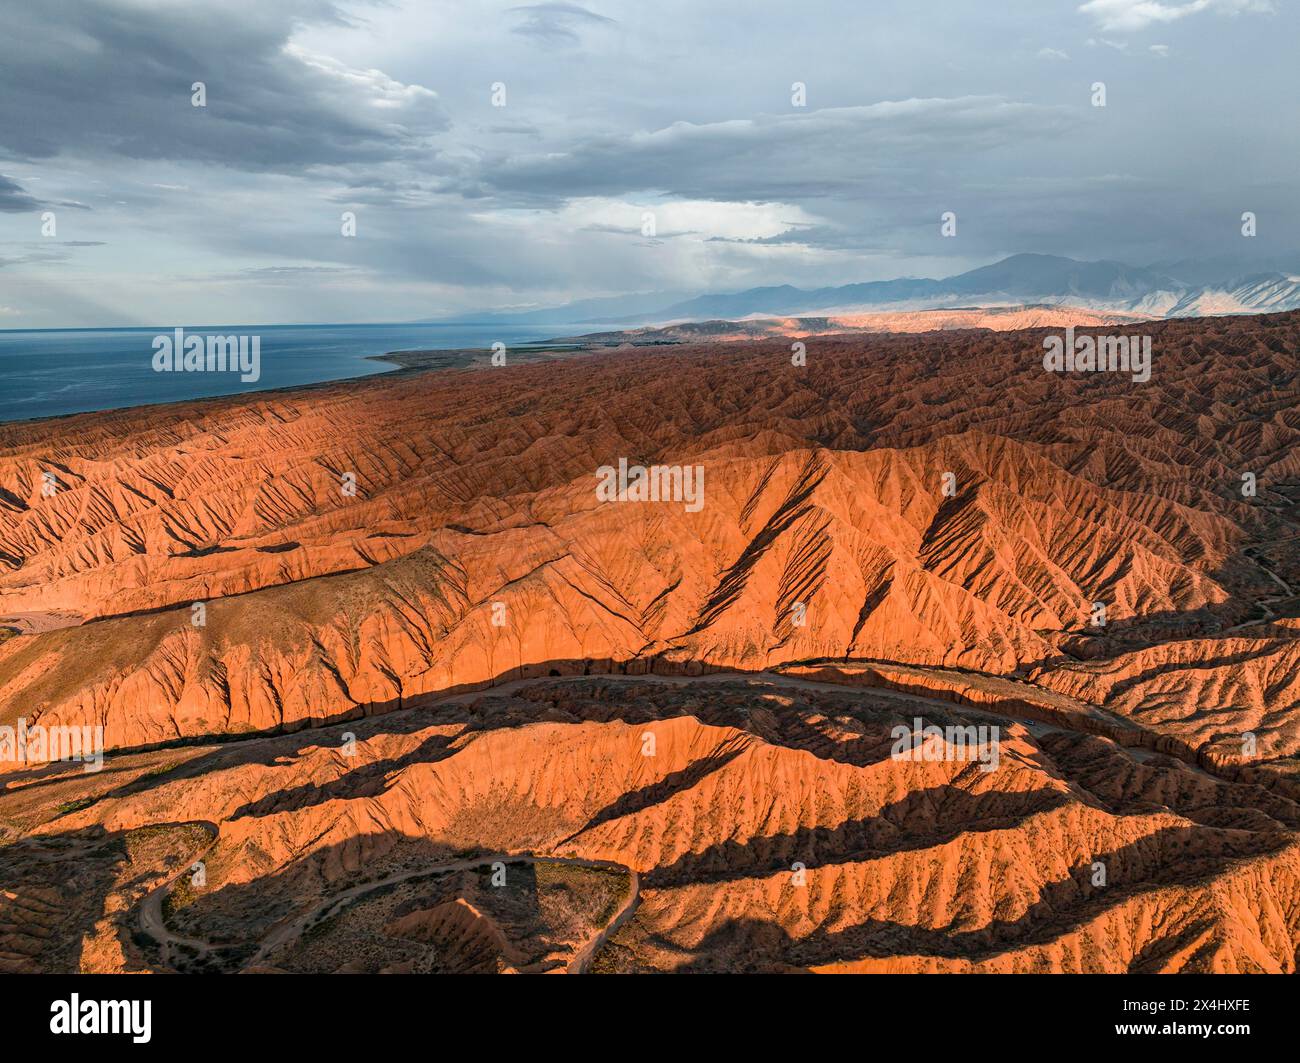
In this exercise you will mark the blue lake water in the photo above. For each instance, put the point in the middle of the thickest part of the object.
(48, 373)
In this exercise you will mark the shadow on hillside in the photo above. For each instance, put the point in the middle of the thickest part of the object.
(921, 820)
(236, 916)
(329, 898)
(1063, 907)
(730, 702)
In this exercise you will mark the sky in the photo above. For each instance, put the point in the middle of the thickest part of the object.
(502, 156)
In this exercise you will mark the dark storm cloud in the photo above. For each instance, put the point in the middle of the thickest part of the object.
(317, 107)
(13, 198)
(97, 77)
(846, 151)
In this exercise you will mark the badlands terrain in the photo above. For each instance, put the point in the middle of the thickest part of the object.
(386, 687)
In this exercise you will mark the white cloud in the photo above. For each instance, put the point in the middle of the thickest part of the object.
(703, 220)
(1051, 53)
(1161, 50)
(1128, 16)
(377, 88)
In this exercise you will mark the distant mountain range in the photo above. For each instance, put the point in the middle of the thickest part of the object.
(1187, 288)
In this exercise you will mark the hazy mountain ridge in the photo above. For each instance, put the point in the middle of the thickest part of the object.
(1168, 290)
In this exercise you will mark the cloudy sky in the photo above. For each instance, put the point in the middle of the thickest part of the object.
(166, 213)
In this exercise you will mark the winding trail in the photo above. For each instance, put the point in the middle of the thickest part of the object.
(581, 962)
(288, 932)
(152, 921)
(155, 926)
(1251, 553)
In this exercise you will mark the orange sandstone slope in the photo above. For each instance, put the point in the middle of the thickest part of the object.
(931, 516)
(824, 501)
(766, 827)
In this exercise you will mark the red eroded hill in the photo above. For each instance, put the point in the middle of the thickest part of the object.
(934, 517)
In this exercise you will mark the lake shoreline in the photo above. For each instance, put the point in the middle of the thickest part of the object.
(403, 363)
(67, 373)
